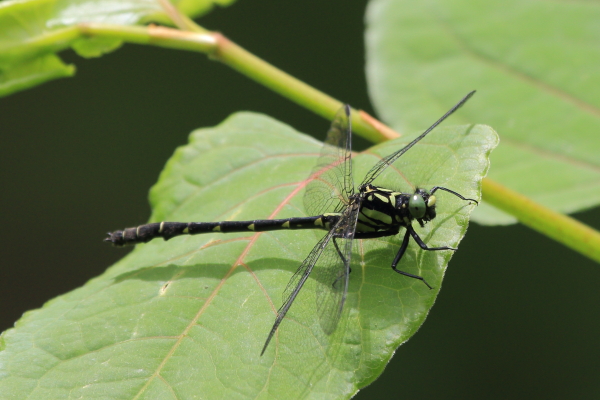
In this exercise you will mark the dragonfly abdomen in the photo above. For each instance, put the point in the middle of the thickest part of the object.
(167, 230)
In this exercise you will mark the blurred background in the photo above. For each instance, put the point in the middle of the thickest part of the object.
(518, 313)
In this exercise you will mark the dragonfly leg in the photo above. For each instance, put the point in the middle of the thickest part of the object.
(460, 196)
(343, 259)
(338, 250)
(422, 244)
(401, 252)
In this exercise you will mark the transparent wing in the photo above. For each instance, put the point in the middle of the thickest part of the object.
(389, 160)
(297, 282)
(331, 179)
(330, 260)
(332, 271)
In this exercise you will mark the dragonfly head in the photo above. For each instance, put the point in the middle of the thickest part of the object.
(421, 205)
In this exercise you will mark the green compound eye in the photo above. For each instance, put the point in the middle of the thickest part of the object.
(416, 206)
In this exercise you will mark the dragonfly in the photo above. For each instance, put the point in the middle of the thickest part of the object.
(363, 212)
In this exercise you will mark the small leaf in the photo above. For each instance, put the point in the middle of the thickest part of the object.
(32, 72)
(534, 67)
(188, 318)
(33, 31)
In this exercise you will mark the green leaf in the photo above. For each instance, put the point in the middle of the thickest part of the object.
(32, 72)
(33, 31)
(188, 318)
(534, 67)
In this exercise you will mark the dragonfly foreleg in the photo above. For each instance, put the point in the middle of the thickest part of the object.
(460, 196)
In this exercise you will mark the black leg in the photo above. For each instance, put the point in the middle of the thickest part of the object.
(451, 191)
(343, 259)
(338, 250)
(422, 244)
(401, 252)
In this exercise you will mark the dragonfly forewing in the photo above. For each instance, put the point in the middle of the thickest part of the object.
(331, 181)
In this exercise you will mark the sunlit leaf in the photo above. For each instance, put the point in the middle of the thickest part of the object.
(187, 318)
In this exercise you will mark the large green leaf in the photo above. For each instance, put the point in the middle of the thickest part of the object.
(187, 318)
(32, 31)
(534, 65)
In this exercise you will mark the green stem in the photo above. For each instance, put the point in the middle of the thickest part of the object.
(50, 42)
(559, 227)
(153, 35)
(286, 85)
(221, 49)
(264, 73)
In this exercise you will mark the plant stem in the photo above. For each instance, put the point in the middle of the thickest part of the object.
(153, 35)
(286, 85)
(559, 227)
(260, 71)
(219, 48)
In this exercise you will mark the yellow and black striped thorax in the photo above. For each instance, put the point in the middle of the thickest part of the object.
(384, 209)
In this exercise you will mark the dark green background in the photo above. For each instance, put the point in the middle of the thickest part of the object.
(518, 313)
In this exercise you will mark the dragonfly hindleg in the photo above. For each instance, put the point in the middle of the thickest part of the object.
(337, 248)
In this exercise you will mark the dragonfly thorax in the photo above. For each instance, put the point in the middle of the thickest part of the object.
(387, 210)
